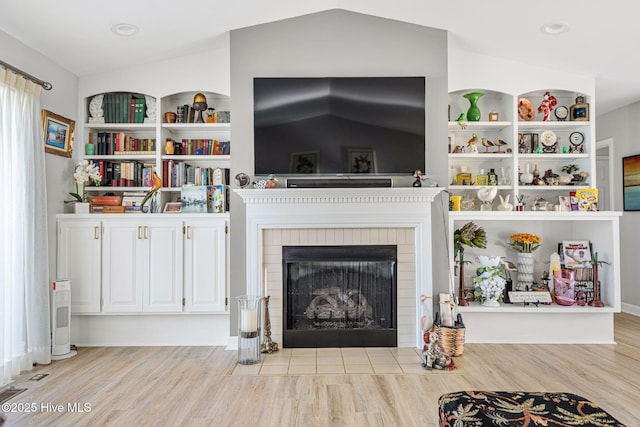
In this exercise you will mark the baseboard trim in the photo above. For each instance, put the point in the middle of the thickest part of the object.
(630, 308)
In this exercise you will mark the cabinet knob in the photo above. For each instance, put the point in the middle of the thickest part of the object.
(139, 232)
(188, 232)
(96, 233)
(146, 236)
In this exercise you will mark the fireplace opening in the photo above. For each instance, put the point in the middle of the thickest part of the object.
(339, 296)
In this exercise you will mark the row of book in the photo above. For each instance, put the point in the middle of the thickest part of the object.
(124, 108)
(200, 147)
(178, 174)
(109, 143)
(125, 174)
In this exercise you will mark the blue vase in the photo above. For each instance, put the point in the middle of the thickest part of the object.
(473, 114)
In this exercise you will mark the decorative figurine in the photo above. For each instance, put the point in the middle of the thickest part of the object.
(546, 106)
(199, 104)
(472, 143)
(461, 122)
(499, 143)
(96, 110)
(486, 144)
(504, 205)
(417, 174)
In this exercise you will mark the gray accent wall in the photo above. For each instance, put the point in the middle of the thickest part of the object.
(337, 43)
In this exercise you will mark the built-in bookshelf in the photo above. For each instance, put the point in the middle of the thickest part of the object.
(131, 135)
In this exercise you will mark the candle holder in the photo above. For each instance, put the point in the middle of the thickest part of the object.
(267, 346)
(249, 308)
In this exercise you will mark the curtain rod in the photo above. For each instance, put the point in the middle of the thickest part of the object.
(45, 85)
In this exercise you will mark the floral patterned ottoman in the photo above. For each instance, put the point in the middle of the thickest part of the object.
(519, 408)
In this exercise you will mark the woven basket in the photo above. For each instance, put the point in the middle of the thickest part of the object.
(451, 337)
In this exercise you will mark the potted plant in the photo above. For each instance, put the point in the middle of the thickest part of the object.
(595, 263)
(468, 235)
(85, 172)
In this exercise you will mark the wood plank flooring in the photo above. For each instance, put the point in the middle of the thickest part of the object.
(191, 386)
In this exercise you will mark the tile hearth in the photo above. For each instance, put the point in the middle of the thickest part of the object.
(336, 361)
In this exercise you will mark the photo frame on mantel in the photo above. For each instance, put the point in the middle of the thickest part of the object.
(631, 182)
(57, 133)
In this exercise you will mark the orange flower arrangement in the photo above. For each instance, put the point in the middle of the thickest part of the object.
(525, 242)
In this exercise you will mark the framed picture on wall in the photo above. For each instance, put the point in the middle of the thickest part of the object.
(58, 134)
(631, 182)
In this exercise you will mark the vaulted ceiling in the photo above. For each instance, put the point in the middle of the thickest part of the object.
(600, 40)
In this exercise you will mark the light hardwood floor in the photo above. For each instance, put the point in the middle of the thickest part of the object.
(191, 386)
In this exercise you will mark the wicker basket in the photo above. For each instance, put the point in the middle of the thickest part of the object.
(451, 337)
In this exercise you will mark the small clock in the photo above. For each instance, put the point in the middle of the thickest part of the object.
(561, 112)
(576, 141)
(242, 180)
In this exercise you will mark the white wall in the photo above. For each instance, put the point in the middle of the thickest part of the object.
(60, 100)
(335, 43)
(623, 127)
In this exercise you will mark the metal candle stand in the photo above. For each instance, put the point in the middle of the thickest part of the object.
(267, 346)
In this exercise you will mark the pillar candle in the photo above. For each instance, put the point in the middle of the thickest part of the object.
(249, 320)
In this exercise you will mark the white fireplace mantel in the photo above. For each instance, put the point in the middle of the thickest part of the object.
(340, 208)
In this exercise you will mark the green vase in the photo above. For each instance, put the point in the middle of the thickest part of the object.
(473, 114)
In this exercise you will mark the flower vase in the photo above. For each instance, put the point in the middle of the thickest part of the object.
(525, 271)
(473, 113)
(81, 207)
(493, 302)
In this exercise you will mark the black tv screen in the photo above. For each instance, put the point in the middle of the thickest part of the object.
(339, 125)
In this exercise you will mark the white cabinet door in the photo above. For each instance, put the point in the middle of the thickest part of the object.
(122, 260)
(79, 258)
(161, 276)
(142, 265)
(205, 265)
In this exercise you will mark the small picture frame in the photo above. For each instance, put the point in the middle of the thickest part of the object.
(58, 134)
(304, 162)
(362, 160)
(172, 207)
(525, 141)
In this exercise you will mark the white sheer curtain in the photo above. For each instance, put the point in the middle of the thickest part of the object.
(24, 288)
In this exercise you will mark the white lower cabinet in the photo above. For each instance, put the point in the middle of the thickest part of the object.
(79, 250)
(204, 265)
(143, 264)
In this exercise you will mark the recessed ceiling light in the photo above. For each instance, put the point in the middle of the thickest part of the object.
(124, 29)
(555, 28)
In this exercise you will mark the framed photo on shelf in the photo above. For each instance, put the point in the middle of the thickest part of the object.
(304, 162)
(631, 182)
(58, 134)
(362, 160)
(173, 207)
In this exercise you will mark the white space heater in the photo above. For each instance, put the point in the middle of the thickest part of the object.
(61, 320)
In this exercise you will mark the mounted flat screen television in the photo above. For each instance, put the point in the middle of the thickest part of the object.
(339, 126)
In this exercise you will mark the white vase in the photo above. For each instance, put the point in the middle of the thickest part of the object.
(525, 271)
(81, 207)
(491, 303)
(526, 177)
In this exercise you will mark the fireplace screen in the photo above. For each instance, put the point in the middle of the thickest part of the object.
(339, 296)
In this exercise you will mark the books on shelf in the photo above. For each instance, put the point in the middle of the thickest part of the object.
(177, 174)
(110, 143)
(587, 199)
(125, 173)
(201, 147)
(124, 107)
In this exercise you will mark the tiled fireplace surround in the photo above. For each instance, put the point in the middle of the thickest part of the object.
(341, 216)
